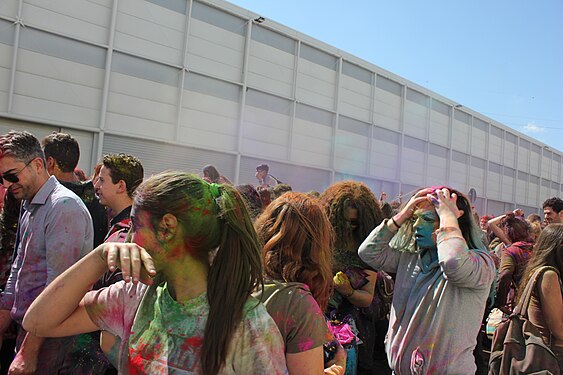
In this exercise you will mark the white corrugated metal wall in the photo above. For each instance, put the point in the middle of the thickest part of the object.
(187, 83)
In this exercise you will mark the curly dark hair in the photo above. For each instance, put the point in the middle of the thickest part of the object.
(280, 189)
(124, 167)
(63, 148)
(555, 203)
(341, 196)
(251, 198)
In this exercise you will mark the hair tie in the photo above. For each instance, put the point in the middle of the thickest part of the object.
(214, 188)
(216, 194)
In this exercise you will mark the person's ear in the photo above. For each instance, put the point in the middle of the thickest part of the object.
(38, 165)
(122, 187)
(168, 227)
(51, 164)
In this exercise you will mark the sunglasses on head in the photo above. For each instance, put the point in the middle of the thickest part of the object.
(13, 176)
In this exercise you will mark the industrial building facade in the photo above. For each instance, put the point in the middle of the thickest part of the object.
(185, 83)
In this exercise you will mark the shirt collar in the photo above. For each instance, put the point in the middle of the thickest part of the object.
(124, 214)
(43, 194)
(428, 259)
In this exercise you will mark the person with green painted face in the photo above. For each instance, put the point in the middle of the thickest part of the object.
(444, 275)
(184, 305)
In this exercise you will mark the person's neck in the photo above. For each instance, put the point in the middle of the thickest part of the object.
(431, 252)
(66, 176)
(42, 179)
(121, 204)
(186, 277)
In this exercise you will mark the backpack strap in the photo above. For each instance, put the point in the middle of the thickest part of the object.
(524, 303)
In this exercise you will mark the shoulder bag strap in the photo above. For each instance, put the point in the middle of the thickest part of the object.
(522, 306)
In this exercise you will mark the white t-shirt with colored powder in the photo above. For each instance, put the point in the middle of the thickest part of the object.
(162, 336)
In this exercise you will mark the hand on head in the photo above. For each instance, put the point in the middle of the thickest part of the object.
(518, 212)
(416, 199)
(133, 260)
(445, 203)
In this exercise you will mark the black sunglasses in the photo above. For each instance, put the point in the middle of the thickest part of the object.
(13, 176)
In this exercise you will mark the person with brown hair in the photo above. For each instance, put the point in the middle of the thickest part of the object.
(516, 233)
(298, 270)
(546, 303)
(211, 174)
(190, 314)
(353, 212)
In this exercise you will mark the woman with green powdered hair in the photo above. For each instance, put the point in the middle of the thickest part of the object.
(176, 310)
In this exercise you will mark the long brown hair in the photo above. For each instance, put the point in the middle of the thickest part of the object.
(336, 200)
(213, 217)
(548, 251)
(297, 243)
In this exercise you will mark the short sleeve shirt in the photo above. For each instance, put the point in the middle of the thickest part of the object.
(297, 314)
(158, 335)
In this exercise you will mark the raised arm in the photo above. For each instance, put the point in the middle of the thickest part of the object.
(464, 267)
(375, 250)
(497, 230)
(58, 310)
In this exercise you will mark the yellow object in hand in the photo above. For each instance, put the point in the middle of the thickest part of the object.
(340, 278)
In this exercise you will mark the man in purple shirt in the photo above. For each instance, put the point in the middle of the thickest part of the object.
(54, 231)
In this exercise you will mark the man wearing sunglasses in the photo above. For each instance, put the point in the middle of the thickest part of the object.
(54, 231)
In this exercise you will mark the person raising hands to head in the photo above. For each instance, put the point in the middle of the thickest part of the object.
(444, 274)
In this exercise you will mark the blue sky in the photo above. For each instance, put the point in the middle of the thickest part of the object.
(501, 58)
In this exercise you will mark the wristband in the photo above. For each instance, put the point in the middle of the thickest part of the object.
(448, 229)
(395, 223)
(351, 294)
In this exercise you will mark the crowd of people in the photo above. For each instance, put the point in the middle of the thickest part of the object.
(186, 273)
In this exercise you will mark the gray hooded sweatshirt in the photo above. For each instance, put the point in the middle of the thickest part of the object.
(438, 304)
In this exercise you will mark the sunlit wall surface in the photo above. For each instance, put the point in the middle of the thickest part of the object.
(184, 83)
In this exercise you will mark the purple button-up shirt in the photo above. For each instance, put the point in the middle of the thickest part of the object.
(55, 231)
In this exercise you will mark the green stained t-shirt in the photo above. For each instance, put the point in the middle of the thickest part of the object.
(162, 336)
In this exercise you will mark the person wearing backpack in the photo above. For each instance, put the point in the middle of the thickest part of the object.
(546, 303)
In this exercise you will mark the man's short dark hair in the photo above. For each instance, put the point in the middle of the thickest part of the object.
(263, 167)
(22, 146)
(124, 167)
(64, 149)
(556, 204)
(281, 189)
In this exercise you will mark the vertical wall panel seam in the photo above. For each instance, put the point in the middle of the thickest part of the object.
(15, 51)
(336, 118)
(399, 164)
(486, 174)
(425, 168)
(183, 71)
(450, 148)
(105, 91)
(296, 53)
(242, 106)
(372, 125)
